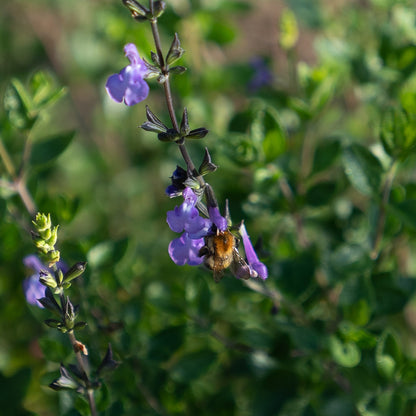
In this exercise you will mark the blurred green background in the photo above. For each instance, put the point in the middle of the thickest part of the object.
(309, 105)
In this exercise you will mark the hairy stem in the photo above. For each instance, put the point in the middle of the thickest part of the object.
(84, 370)
(169, 101)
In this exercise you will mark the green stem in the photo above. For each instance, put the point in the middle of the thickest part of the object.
(8, 163)
(382, 212)
(17, 183)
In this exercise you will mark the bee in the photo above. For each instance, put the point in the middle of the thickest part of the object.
(220, 251)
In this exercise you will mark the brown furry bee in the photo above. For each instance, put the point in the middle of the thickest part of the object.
(220, 251)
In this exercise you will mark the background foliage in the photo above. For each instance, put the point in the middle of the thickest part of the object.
(319, 162)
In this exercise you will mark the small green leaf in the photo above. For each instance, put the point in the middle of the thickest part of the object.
(46, 150)
(398, 132)
(388, 355)
(363, 169)
(274, 144)
(18, 105)
(345, 354)
(44, 90)
(289, 32)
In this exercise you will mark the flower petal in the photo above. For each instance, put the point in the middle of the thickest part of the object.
(116, 87)
(217, 218)
(136, 92)
(184, 250)
(33, 263)
(33, 290)
(132, 54)
(251, 255)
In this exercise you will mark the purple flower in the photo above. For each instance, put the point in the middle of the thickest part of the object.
(217, 218)
(185, 250)
(252, 259)
(128, 85)
(186, 217)
(32, 288)
(262, 76)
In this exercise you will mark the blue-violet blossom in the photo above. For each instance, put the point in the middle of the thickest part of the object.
(32, 287)
(129, 85)
(186, 218)
(252, 259)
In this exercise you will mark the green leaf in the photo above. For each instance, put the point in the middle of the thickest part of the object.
(357, 335)
(388, 355)
(193, 365)
(13, 390)
(44, 90)
(274, 144)
(296, 275)
(321, 194)
(398, 132)
(325, 155)
(18, 106)
(363, 169)
(405, 211)
(359, 313)
(345, 354)
(241, 149)
(46, 150)
(349, 259)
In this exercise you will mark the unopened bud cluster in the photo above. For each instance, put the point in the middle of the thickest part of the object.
(45, 237)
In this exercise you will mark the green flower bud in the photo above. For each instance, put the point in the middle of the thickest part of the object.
(47, 279)
(76, 270)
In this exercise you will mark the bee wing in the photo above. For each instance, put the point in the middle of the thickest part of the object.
(239, 268)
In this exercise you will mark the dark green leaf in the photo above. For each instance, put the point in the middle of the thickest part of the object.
(321, 194)
(325, 155)
(363, 169)
(13, 390)
(349, 259)
(406, 212)
(46, 150)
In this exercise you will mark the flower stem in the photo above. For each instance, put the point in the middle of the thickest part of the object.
(83, 368)
(169, 101)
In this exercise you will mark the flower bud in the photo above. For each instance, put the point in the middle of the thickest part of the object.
(158, 8)
(42, 222)
(47, 279)
(76, 270)
(175, 51)
(65, 381)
